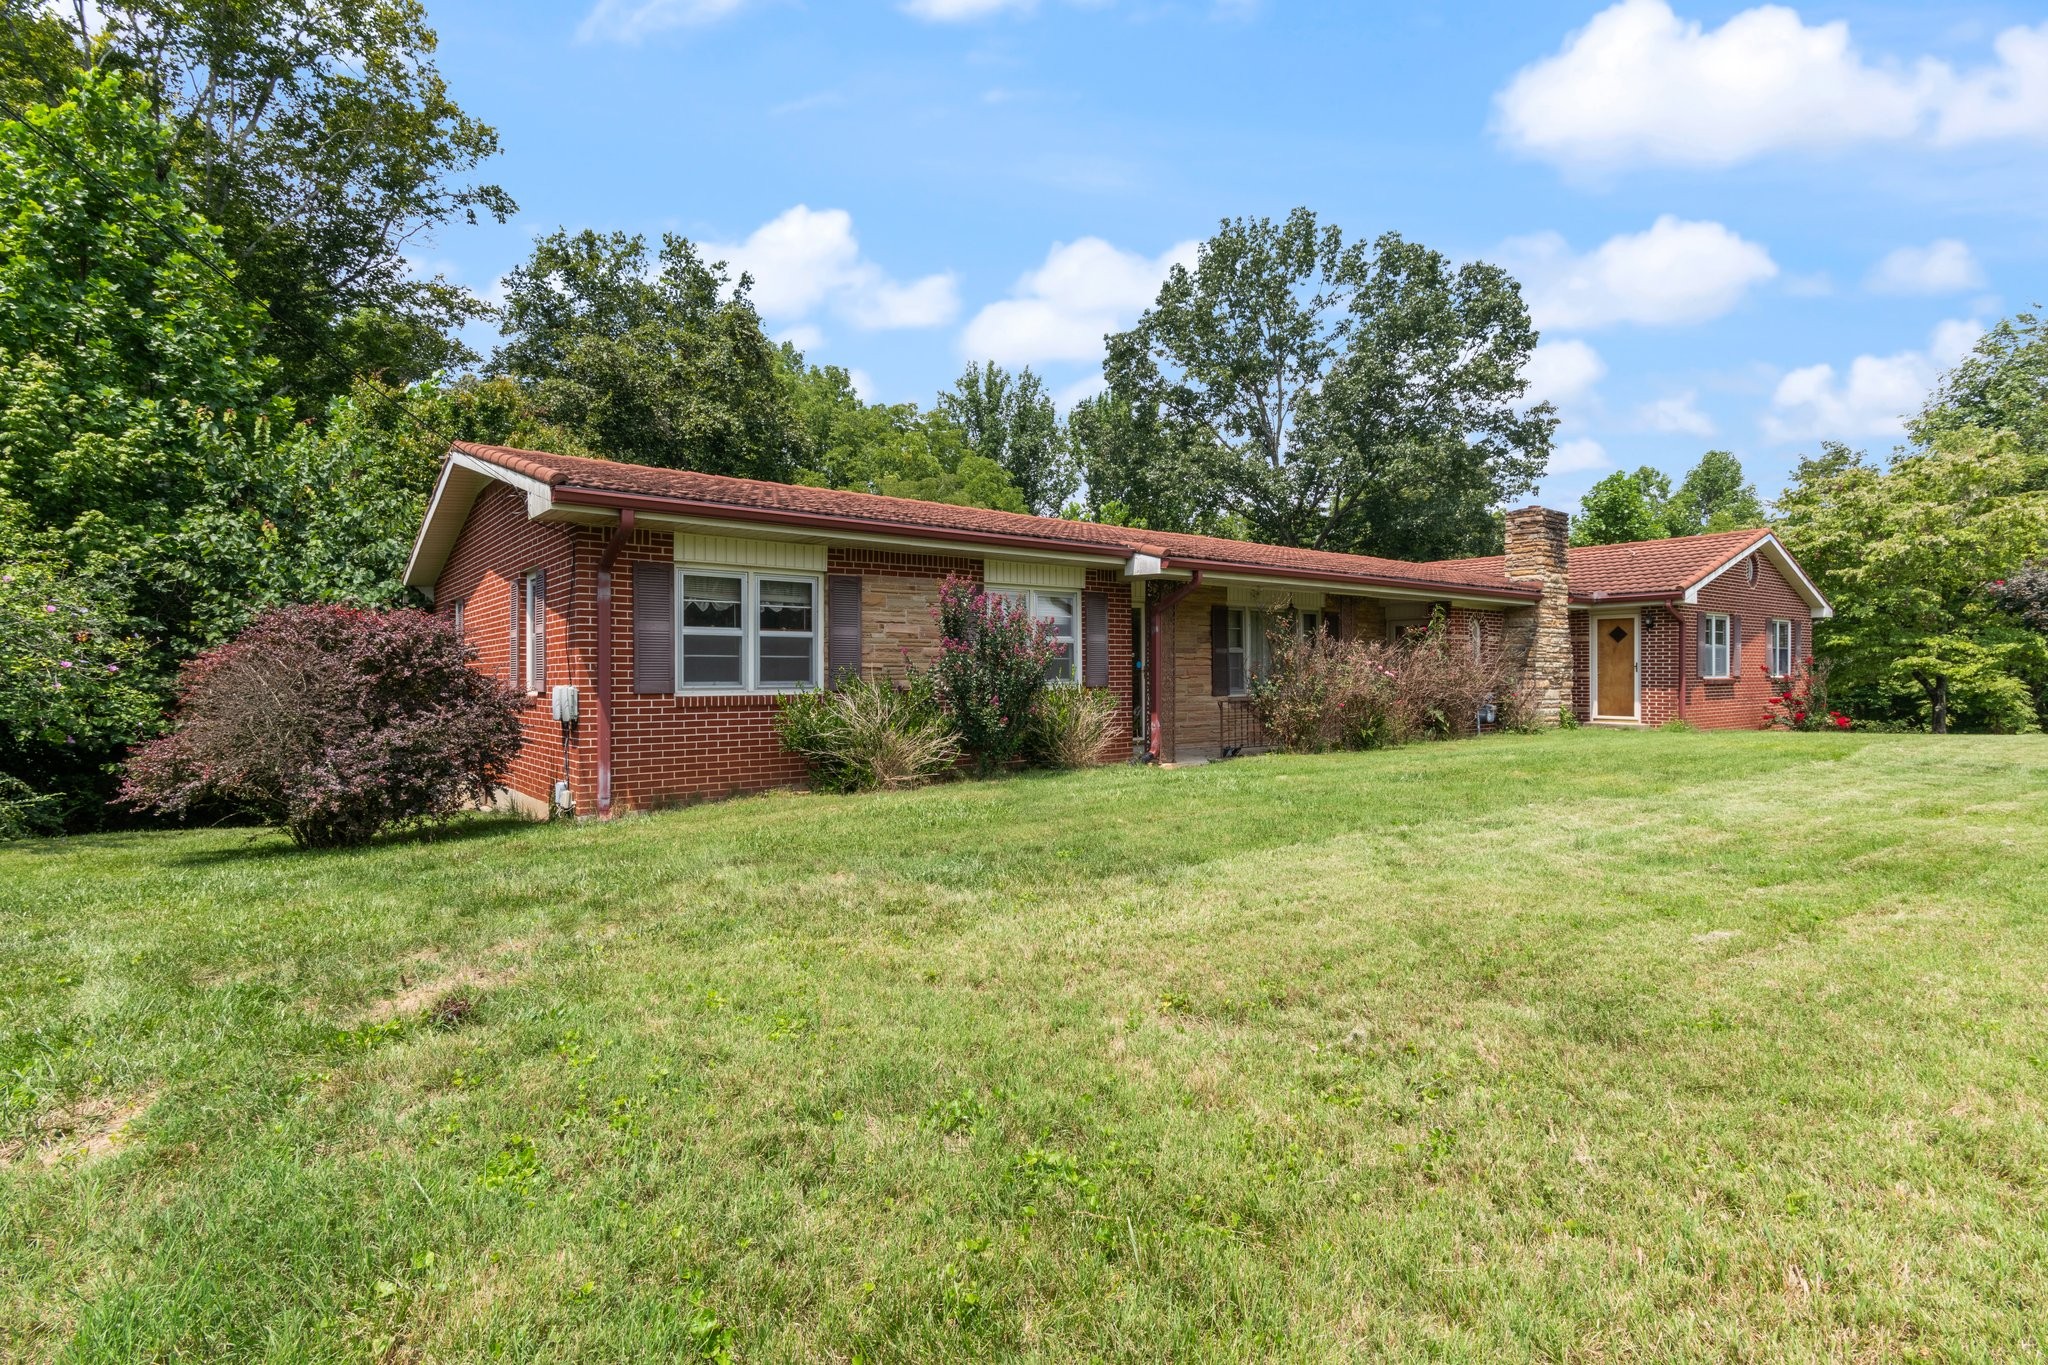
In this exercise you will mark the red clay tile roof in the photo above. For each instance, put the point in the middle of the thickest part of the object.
(713, 493)
(1637, 568)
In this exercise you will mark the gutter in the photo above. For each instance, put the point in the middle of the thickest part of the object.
(819, 521)
(605, 561)
(1152, 615)
(1106, 550)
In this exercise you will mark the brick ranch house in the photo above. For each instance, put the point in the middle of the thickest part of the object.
(667, 611)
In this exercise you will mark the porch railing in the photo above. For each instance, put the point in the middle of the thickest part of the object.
(1238, 728)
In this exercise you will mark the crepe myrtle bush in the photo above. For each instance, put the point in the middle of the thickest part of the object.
(333, 722)
(991, 670)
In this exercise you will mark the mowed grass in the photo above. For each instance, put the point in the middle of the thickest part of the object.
(1589, 1046)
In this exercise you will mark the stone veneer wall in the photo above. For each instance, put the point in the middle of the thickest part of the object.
(1539, 636)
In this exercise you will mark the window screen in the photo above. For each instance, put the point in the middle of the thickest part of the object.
(788, 639)
(1056, 609)
(713, 630)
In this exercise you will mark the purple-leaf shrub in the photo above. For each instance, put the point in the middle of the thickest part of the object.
(335, 723)
(991, 670)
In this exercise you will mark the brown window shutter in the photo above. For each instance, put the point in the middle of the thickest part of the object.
(654, 628)
(512, 648)
(1797, 663)
(540, 630)
(1734, 646)
(842, 614)
(1094, 639)
(1219, 658)
(1333, 625)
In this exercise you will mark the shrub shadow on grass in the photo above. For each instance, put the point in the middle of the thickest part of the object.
(269, 845)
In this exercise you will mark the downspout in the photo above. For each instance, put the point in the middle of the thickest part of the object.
(1678, 631)
(620, 536)
(1152, 615)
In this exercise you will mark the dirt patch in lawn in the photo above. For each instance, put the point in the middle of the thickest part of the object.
(78, 1133)
(416, 998)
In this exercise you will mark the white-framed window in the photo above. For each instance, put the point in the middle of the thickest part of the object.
(1781, 649)
(1749, 569)
(1062, 615)
(785, 632)
(1247, 644)
(1714, 646)
(534, 618)
(455, 616)
(1061, 612)
(745, 632)
(1236, 651)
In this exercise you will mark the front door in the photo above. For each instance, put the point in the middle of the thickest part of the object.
(1614, 667)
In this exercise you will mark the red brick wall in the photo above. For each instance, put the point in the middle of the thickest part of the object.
(497, 547)
(1669, 642)
(669, 748)
(1739, 704)
(1112, 585)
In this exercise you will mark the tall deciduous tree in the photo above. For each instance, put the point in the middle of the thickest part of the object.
(319, 136)
(128, 363)
(1905, 554)
(890, 448)
(663, 366)
(1010, 421)
(2002, 385)
(1714, 496)
(1357, 397)
(1139, 467)
(1623, 507)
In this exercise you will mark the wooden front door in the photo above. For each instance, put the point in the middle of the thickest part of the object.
(1614, 667)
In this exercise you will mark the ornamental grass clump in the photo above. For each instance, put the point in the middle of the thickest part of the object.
(334, 723)
(869, 735)
(991, 671)
(1070, 726)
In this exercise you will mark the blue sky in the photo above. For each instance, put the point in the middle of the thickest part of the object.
(1739, 227)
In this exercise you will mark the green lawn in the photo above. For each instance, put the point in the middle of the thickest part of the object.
(1591, 1046)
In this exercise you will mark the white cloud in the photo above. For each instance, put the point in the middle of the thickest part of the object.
(1640, 85)
(623, 21)
(1579, 456)
(804, 259)
(1061, 310)
(1674, 272)
(863, 384)
(1872, 399)
(803, 336)
(1941, 267)
(1080, 391)
(2006, 100)
(1562, 371)
(957, 11)
(1677, 414)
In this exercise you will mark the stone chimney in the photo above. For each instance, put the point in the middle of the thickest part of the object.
(1540, 636)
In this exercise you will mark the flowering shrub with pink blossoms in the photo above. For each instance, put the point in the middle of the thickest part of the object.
(990, 672)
